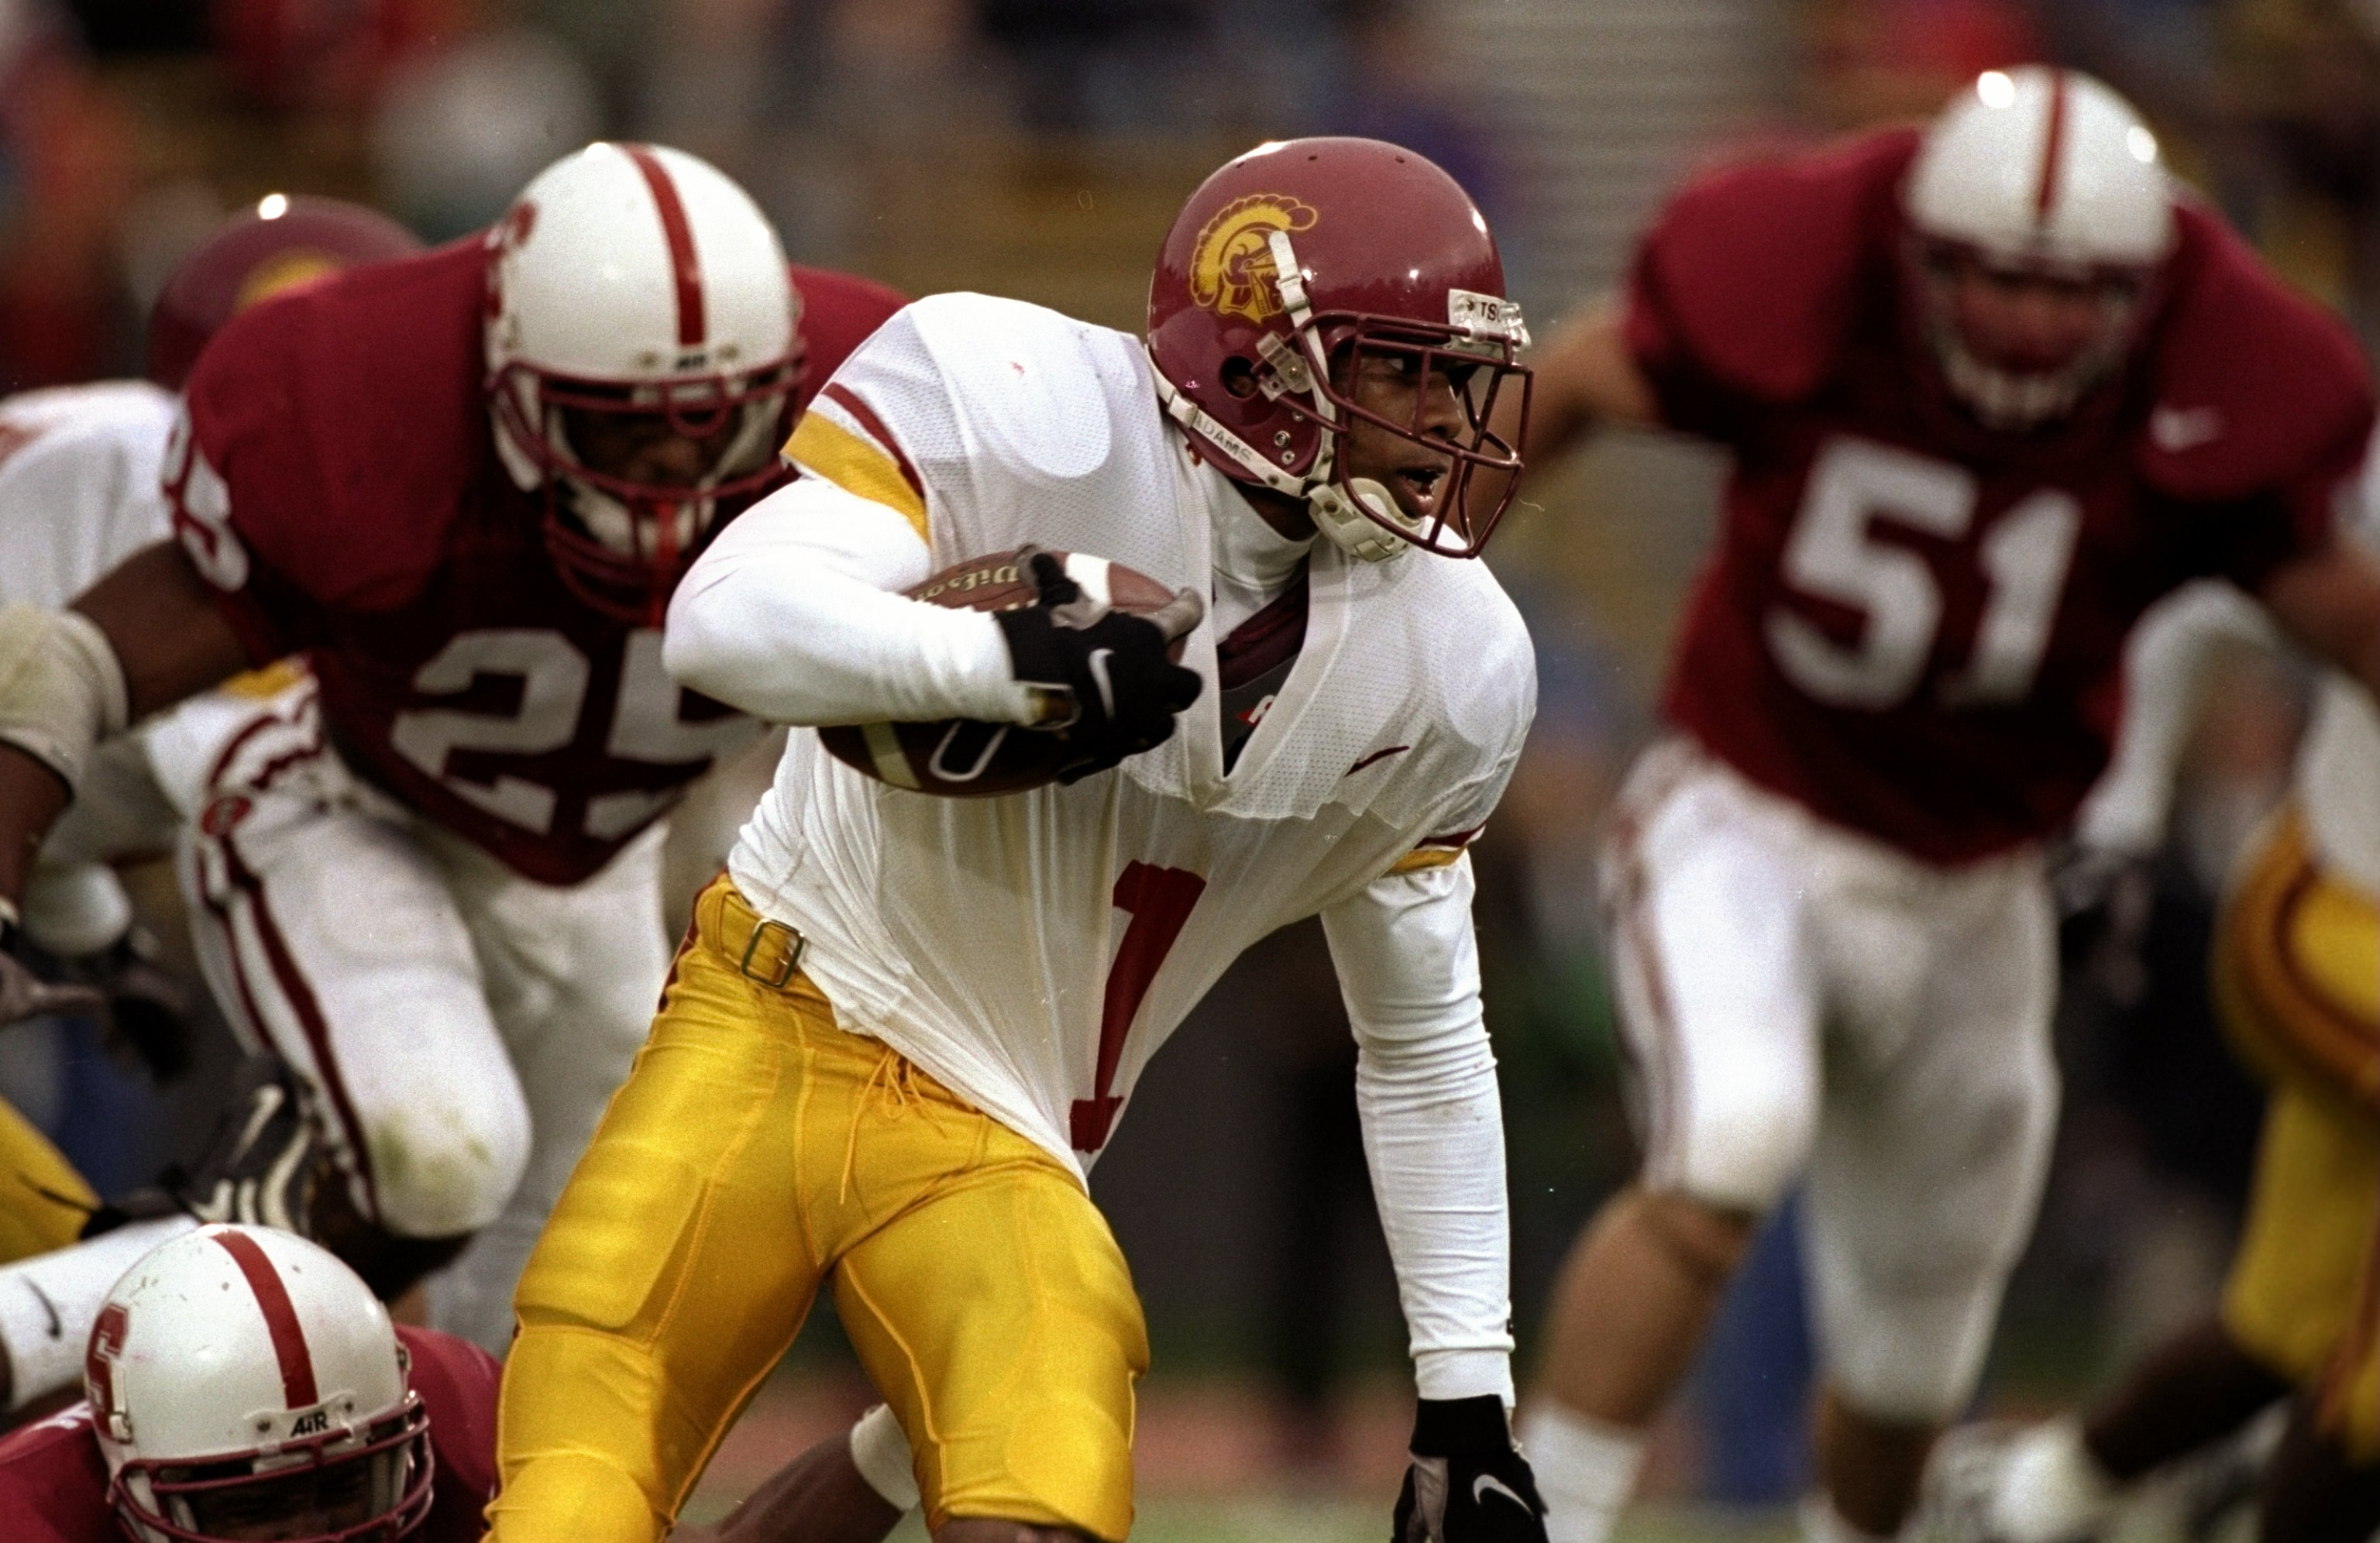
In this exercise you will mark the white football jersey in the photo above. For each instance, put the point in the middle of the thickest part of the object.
(1032, 951)
(78, 485)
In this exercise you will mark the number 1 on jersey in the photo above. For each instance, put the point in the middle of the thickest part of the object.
(1160, 901)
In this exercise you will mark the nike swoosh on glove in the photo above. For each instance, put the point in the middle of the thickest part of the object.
(1102, 672)
(1468, 1482)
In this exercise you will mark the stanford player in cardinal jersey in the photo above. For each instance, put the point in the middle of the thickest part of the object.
(1990, 390)
(462, 486)
(241, 1383)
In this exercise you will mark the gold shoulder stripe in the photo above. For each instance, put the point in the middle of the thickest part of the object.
(1422, 858)
(269, 680)
(856, 466)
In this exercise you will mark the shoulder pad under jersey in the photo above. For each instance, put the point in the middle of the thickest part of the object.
(1752, 277)
(2252, 384)
(347, 421)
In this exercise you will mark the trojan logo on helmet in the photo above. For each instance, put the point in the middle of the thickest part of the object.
(2040, 217)
(1292, 271)
(1231, 269)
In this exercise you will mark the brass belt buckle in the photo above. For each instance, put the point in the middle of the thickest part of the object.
(775, 981)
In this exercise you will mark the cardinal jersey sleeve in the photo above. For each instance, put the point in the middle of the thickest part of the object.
(53, 1483)
(1743, 292)
(2261, 413)
(839, 312)
(457, 1383)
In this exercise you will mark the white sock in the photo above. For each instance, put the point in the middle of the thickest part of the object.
(1586, 1468)
(2051, 1488)
(47, 1304)
(882, 1454)
(1821, 1522)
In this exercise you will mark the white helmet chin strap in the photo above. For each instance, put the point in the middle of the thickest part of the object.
(1334, 513)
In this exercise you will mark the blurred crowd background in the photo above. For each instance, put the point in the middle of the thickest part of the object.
(1038, 147)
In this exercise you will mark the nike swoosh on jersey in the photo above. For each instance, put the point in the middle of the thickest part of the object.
(1377, 755)
(1486, 1482)
(1099, 678)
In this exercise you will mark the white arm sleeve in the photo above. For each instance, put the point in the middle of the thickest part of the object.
(2165, 665)
(1433, 1129)
(793, 616)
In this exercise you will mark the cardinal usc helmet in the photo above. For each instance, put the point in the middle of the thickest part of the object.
(1306, 264)
(643, 351)
(2042, 175)
(276, 244)
(244, 1383)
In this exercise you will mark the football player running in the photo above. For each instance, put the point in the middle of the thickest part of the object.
(2297, 977)
(240, 1385)
(1991, 390)
(903, 1026)
(462, 486)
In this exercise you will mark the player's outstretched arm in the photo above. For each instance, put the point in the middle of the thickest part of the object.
(1584, 375)
(2329, 601)
(1434, 1138)
(795, 614)
(141, 638)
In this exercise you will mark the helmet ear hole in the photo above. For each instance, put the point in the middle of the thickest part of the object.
(1238, 376)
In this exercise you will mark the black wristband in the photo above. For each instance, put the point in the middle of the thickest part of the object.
(1446, 1427)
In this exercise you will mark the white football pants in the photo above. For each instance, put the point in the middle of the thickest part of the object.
(1802, 1003)
(458, 1027)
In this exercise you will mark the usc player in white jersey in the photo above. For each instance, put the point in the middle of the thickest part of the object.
(903, 1026)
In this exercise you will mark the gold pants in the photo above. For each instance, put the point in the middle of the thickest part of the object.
(2296, 976)
(43, 1201)
(755, 1152)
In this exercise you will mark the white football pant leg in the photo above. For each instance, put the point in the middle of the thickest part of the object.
(1705, 887)
(573, 976)
(1941, 1103)
(326, 932)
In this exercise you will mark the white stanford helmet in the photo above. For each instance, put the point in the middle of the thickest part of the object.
(636, 280)
(2042, 169)
(243, 1381)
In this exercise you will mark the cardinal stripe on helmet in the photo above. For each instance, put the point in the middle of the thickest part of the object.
(856, 465)
(692, 326)
(298, 1388)
(2053, 142)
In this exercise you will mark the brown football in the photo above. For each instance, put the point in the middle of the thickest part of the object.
(964, 758)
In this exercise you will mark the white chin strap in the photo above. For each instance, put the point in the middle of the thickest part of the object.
(1335, 514)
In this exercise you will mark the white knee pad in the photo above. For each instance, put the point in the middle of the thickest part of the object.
(1907, 1280)
(445, 1162)
(73, 909)
(1744, 1144)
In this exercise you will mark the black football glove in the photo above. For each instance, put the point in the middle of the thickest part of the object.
(1468, 1482)
(1101, 674)
(26, 991)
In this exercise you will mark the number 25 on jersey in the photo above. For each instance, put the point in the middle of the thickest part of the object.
(1833, 553)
